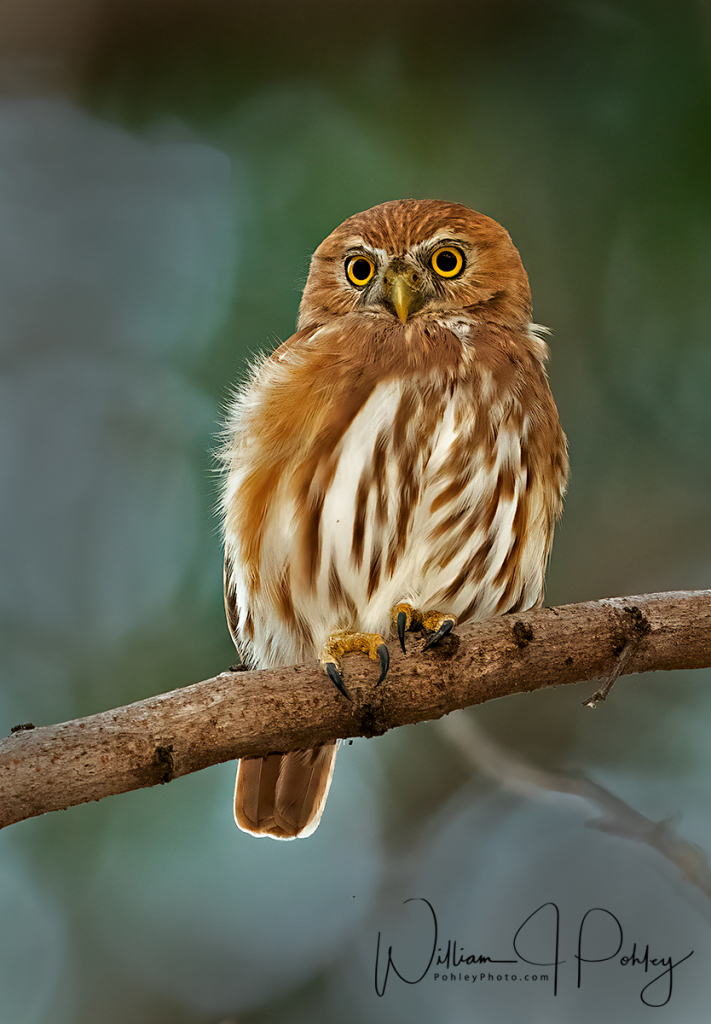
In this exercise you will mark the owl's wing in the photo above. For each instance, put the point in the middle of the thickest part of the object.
(282, 795)
(231, 609)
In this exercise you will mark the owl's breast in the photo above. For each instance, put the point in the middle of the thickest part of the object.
(428, 494)
(442, 498)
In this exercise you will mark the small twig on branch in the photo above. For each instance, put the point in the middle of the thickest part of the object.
(616, 817)
(635, 628)
(248, 714)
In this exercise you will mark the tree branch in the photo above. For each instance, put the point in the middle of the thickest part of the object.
(244, 714)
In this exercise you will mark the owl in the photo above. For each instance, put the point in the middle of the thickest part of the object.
(397, 464)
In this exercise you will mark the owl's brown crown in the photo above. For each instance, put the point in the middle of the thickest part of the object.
(492, 285)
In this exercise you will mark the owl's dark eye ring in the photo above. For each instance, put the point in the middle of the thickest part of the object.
(359, 270)
(447, 261)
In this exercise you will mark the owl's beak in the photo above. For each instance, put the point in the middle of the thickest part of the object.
(401, 290)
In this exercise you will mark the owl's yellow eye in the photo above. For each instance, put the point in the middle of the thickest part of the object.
(447, 261)
(360, 270)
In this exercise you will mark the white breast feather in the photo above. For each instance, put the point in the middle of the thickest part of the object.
(274, 644)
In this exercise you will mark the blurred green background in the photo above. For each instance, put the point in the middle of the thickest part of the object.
(166, 170)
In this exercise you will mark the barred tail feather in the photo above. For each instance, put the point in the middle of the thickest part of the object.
(283, 795)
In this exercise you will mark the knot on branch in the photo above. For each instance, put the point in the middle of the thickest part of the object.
(633, 627)
(523, 633)
(163, 763)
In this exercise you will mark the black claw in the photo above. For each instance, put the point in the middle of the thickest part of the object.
(384, 655)
(335, 676)
(446, 627)
(401, 627)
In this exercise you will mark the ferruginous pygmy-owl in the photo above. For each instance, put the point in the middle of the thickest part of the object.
(397, 462)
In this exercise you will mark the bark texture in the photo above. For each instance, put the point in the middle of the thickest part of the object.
(244, 714)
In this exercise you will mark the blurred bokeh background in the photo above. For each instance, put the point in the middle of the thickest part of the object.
(166, 169)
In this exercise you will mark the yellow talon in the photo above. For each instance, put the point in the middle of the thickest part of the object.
(441, 622)
(433, 621)
(344, 642)
(405, 617)
(413, 617)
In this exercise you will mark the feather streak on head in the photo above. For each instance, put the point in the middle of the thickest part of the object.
(493, 285)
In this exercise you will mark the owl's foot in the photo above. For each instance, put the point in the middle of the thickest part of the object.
(345, 641)
(406, 617)
(440, 623)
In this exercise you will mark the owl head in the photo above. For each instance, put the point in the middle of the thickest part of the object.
(417, 260)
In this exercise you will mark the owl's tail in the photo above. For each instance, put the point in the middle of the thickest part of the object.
(283, 795)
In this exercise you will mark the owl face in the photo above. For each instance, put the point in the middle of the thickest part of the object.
(425, 276)
(414, 261)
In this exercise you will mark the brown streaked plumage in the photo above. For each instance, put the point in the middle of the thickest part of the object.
(398, 460)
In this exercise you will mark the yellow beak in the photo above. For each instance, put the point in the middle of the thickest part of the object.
(403, 296)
